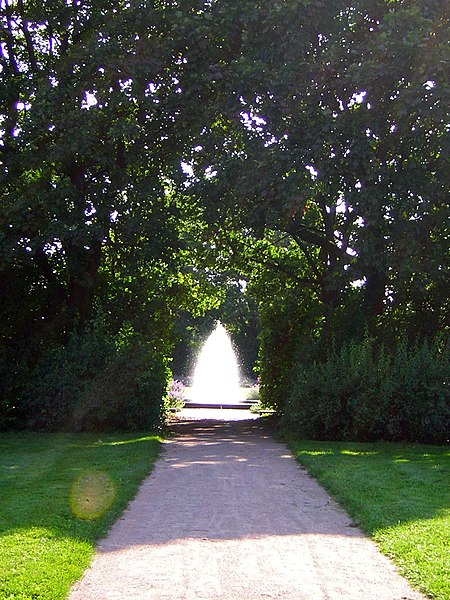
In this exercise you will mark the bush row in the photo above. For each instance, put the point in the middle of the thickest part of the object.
(92, 383)
(364, 392)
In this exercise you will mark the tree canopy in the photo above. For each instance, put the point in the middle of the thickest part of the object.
(155, 153)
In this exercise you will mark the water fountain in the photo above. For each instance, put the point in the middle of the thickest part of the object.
(216, 375)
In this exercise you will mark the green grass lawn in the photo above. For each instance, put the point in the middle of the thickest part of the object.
(397, 493)
(58, 494)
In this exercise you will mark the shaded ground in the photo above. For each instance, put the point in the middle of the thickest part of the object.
(227, 514)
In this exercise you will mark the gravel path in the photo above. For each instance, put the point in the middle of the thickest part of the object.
(228, 514)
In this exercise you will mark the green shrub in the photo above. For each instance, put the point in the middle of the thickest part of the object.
(417, 394)
(96, 383)
(127, 395)
(9, 377)
(253, 392)
(366, 393)
(285, 328)
(61, 377)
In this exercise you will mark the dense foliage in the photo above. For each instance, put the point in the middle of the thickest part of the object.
(91, 125)
(363, 393)
(163, 160)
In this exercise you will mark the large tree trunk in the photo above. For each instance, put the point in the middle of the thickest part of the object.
(82, 285)
(375, 292)
(376, 278)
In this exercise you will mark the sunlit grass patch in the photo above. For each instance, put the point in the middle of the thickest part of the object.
(59, 493)
(399, 495)
(422, 551)
(38, 562)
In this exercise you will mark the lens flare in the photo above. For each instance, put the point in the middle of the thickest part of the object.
(91, 495)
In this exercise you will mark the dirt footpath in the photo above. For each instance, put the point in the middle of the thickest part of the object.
(228, 514)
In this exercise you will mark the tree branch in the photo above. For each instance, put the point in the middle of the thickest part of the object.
(28, 40)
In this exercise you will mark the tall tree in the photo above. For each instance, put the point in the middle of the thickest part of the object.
(336, 139)
(93, 122)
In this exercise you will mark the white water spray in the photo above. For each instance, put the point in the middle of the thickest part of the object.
(216, 375)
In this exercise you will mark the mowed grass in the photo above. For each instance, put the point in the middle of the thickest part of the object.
(399, 494)
(59, 493)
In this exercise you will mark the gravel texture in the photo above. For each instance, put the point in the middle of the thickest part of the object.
(228, 514)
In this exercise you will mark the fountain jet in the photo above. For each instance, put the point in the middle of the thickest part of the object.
(216, 375)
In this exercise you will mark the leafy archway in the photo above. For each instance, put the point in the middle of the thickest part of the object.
(156, 154)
